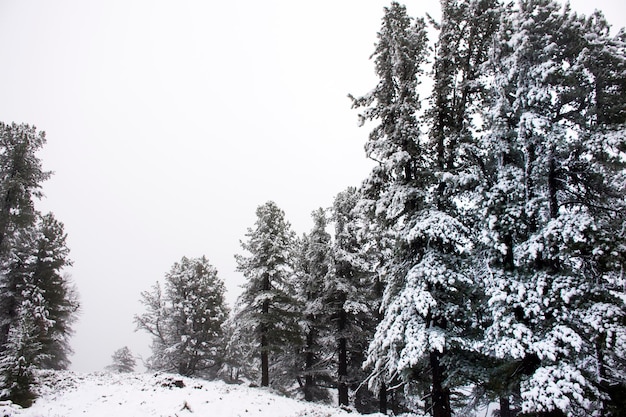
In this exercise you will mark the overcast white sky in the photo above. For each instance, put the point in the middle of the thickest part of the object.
(168, 123)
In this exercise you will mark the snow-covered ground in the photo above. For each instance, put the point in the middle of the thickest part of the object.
(71, 394)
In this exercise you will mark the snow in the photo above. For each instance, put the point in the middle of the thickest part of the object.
(71, 394)
(554, 387)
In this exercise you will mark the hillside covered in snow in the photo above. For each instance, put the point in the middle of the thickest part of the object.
(71, 394)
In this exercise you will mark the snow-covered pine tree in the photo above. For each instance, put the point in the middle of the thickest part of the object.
(602, 180)
(20, 358)
(353, 299)
(466, 32)
(34, 274)
(375, 251)
(59, 295)
(312, 276)
(23, 352)
(267, 305)
(37, 304)
(501, 208)
(186, 320)
(123, 361)
(397, 186)
(554, 210)
(239, 359)
(424, 187)
(21, 175)
(198, 310)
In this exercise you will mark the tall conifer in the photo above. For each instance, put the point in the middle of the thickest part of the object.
(267, 306)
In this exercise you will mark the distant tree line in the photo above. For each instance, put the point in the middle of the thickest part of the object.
(483, 258)
(38, 303)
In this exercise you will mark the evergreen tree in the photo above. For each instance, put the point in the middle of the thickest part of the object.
(239, 359)
(423, 185)
(19, 360)
(59, 295)
(312, 280)
(395, 186)
(37, 303)
(554, 196)
(123, 361)
(21, 176)
(353, 299)
(186, 321)
(267, 304)
(198, 311)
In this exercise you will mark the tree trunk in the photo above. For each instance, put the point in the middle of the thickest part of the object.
(309, 382)
(342, 371)
(552, 187)
(440, 394)
(505, 407)
(382, 400)
(265, 362)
